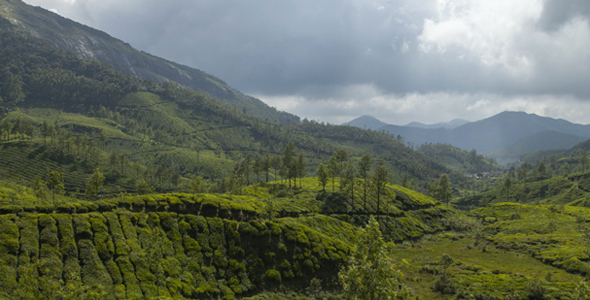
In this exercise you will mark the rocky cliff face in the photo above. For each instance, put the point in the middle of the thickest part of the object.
(89, 43)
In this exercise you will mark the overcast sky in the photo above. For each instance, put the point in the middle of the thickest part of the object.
(398, 60)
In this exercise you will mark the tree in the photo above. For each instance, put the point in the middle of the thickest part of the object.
(300, 167)
(341, 157)
(347, 181)
(370, 273)
(405, 181)
(55, 184)
(246, 162)
(144, 188)
(584, 162)
(16, 127)
(323, 176)
(196, 185)
(288, 167)
(270, 209)
(379, 180)
(175, 179)
(266, 164)
(276, 165)
(28, 129)
(442, 189)
(12, 88)
(39, 186)
(541, 169)
(6, 126)
(506, 187)
(103, 139)
(257, 167)
(333, 169)
(94, 183)
(364, 166)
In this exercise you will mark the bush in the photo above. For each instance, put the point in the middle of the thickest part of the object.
(273, 275)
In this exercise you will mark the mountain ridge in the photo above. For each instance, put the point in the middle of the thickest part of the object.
(496, 134)
(447, 125)
(89, 43)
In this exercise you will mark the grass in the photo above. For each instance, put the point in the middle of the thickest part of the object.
(479, 267)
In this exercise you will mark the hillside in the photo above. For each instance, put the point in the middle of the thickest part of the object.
(366, 122)
(448, 125)
(117, 183)
(194, 246)
(546, 140)
(467, 162)
(570, 189)
(504, 137)
(91, 44)
(63, 113)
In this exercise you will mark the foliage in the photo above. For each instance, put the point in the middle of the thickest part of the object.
(94, 183)
(455, 158)
(442, 189)
(370, 274)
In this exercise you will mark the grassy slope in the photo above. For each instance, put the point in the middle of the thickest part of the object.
(572, 189)
(519, 249)
(176, 245)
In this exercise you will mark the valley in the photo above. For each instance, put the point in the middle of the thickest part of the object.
(127, 176)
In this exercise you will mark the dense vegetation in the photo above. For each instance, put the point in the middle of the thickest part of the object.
(461, 160)
(91, 44)
(63, 113)
(115, 187)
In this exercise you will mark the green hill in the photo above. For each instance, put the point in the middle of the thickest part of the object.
(183, 245)
(91, 44)
(461, 160)
(61, 112)
(572, 189)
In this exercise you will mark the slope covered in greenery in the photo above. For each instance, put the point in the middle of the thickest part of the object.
(91, 44)
(60, 112)
(461, 160)
(571, 189)
(188, 245)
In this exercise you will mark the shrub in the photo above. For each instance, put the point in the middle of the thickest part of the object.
(273, 275)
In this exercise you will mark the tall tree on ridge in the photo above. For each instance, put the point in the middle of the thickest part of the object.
(379, 178)
(364, 166)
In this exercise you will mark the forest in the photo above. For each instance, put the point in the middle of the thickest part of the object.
(116, 187)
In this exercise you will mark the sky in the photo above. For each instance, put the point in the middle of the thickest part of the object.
(397, 60)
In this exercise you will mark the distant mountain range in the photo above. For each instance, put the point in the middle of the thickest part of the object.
(89, 43)
(505, 136)
(448, 125)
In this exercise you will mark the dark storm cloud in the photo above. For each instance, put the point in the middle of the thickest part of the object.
(268, 46)
(558, 12)
(476, 54)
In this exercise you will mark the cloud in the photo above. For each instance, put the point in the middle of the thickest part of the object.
(402, 60)
(429, 108)
(557, 12)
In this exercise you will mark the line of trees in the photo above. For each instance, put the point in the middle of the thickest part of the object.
(289, 166)
(354, 177)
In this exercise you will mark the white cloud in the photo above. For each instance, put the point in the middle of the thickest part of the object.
(427, 108)
(485, 30)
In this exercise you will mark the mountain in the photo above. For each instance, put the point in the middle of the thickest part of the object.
(461, 160)
(88, 43)
(60, 112)
(498, 132)
(546, 140)
(366, 122)
(448, 125)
